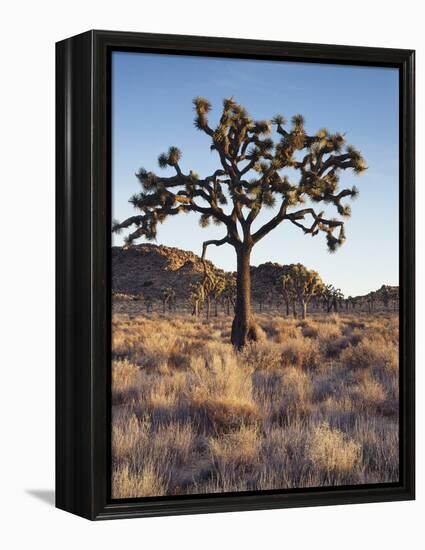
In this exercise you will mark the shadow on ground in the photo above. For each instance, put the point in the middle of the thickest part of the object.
(45, 495)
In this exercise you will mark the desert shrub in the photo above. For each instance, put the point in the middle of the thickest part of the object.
(165, 392)
(330, 383)
(330, 338)
(329, 330)
(295, 396)
(124, 381)
(128, 433)
(302, 353)
(261, 356)
(267, 388)
(310, 331)
(144, 482)
(333, 347)
(286, 331)
(368, 393)
(330, 451)
(221, 388)
(236, 449)
(370, 353)
(333, 319)
(380, 442)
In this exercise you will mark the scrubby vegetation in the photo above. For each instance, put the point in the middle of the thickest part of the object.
(310, 403)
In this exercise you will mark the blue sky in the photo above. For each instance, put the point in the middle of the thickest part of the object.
(152, 109)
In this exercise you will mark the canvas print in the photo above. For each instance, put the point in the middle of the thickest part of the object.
(254, 275)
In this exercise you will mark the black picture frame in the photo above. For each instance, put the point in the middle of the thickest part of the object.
(83, 273)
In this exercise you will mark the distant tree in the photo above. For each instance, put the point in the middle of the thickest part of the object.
(337, 299)
(396, 302)
(213, 285)
(261, 295)
(229, 294)
(326, 298)
(286, 290)
(394, 298)
(332, 298)
(302, 283)
(371, 300)
(148, 304)
(168, 297)
(197, 298)
(385, 296)
(217, 291)
(250, 177)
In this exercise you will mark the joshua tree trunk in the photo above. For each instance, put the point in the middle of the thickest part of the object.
(294, 310)
(243, 326)
(304, 309)
(287, 307)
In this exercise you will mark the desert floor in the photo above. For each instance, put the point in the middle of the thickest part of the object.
(313, 404)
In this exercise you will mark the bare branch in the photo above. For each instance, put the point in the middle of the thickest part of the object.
(217, 242)
(274, 222)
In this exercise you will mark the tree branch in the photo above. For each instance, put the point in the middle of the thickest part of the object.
(216, 242)
(274, 222)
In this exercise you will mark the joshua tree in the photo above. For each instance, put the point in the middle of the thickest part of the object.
(261, 295)
(327, 297)
(385, 296)
(229, 293)
(337, 298)
(148, 304)
(395, 298)
(217, 290)
(370, 298)
(250, 177)
(213, 285)
(197, 298)
(284, 287)
(331, 298)
(303, 283)
(168, 296)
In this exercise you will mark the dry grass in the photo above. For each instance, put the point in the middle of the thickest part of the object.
(331, 452)
(315, 404)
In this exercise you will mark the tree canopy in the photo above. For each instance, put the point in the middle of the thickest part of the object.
(250, 178)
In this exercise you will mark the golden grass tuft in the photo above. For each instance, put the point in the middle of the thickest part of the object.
(235, 449)
(371, 352)
(330, 451)
(127, 484)
(221, 388)
(301, 353)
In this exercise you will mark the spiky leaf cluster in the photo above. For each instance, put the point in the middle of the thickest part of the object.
(253, 156)
(330, 292)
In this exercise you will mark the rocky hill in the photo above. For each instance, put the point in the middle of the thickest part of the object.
(148, 268)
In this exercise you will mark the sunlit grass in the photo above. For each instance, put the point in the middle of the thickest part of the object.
(315, 404)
